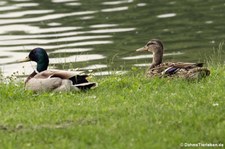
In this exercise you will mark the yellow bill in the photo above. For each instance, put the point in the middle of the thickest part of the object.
(23, 60)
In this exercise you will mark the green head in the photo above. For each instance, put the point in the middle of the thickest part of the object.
(40, 56)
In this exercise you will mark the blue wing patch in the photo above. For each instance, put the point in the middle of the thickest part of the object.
(170, 71)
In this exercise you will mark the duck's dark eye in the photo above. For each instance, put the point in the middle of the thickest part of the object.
(150, 43)
(33, 55)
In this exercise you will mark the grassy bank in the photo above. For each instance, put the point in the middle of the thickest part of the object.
(128, 111)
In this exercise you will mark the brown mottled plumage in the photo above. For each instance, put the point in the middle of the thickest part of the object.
(170, 69)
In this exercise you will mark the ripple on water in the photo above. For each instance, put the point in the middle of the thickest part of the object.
(3, 3)
(36, 36)
(18, 69)
(8, 8)
(56, 37)
(114, 30)
(63, 1)
(167, 15)
(54, 24)
(72, 50)
(52, 47)
(49, 41)
(96, 66)
(144, 56)
(27, 5)
(45, 17)
(34, 29)
(208, 22)
(11, 56)
(23, 13)
(116, 2)
(86, 17)
(103, 25)
(115, 9)
(105, 73)
(17, 27)
(73, 4)
(142, 65)
(141, 4)
(27, 67)
(20, 0)
(15, 6)
(76, 58)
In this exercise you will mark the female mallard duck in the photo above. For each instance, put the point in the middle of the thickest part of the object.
(170, 69)
(53, 80)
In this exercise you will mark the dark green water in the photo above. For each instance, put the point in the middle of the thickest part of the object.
(103, 35)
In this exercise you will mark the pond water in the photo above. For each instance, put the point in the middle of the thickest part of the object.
(102, 35)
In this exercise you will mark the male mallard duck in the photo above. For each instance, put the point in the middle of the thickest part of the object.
(53, 80)
(170, 69)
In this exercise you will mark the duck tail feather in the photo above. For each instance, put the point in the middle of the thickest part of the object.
(199, 64)
(78, 79)
(198, 73)
(85, 86)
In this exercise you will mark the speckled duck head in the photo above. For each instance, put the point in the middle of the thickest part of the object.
(156, 47)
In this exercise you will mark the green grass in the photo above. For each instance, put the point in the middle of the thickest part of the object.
(128, 111)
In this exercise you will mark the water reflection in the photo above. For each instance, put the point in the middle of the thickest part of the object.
(44, 41)
(45, 18)
(76, 58)
(73, 4)
(16, 6)
(91, 34)
(142, 65)
(71, 33)
(72, 50)
(23, 13)
(144, 56)
(141, 4)
(96, 66)
(112, 30)
(104, 73)
(86, 17)
(22, 69)
(54, 24)
(63, 1)
(103, 25)
(21, 0)
(2, 3)
(9, 57)
(50, 47)
(34, 29)
(208, 22)
(115, 9)
(167, 15)
(27, 68)
(117, 2)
